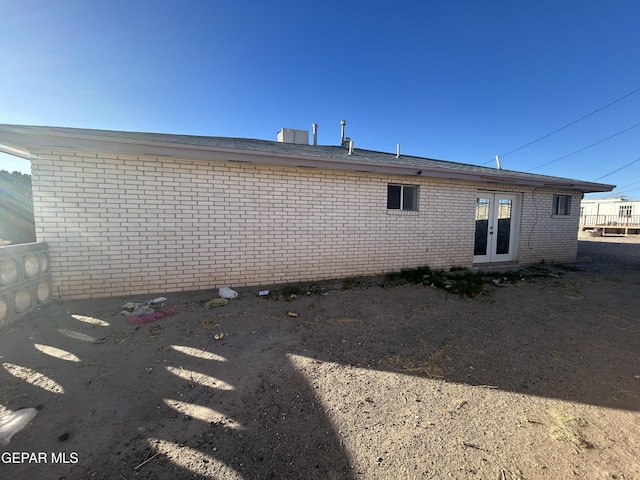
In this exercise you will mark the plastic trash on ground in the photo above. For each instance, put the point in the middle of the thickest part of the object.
(157, 302)
(13, 422)
(130, 309)
(226, 292)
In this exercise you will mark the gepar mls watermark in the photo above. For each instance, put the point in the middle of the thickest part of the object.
(39, 457)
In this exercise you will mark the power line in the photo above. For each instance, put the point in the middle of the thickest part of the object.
(626, 194)
(626, 188)
(612, 194)
(584, 148)
(615, 171)
(568, 124)
(632, 190)
(627, 185)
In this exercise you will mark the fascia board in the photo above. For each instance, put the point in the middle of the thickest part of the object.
(79, 142)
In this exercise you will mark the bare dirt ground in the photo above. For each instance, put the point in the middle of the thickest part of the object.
(534, 379)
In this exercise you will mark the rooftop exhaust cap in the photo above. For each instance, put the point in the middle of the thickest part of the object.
(344, 141)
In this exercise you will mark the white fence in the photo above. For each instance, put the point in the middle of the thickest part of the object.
(610, 220)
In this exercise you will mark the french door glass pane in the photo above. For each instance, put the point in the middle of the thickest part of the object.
(482, 226)
(505, 205)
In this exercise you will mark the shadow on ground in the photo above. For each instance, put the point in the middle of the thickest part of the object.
(240, 407)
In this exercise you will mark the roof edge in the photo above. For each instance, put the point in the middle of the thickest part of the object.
(24, 141)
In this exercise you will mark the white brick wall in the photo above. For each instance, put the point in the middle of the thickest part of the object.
(547, 237)
(120, 225)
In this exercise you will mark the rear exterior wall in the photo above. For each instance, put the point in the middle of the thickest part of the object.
(120, 225)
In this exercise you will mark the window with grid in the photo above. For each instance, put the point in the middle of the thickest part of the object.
(625, 211)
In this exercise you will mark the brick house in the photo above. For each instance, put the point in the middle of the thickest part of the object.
(128, 213)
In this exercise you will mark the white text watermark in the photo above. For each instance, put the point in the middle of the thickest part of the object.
(39, 457)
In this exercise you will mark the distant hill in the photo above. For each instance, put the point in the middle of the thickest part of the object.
(16, 208)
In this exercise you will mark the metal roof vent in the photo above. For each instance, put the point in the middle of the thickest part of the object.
(344, 141)
(290, 135)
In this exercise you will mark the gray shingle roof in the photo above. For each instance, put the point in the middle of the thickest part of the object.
(327, 156)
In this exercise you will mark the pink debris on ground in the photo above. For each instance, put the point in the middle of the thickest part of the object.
(152, 317)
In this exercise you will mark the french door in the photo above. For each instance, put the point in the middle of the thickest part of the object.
(496, 227)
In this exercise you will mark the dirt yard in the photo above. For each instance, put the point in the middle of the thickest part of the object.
(538, 377)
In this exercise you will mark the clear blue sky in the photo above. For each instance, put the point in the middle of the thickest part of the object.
(454, 80)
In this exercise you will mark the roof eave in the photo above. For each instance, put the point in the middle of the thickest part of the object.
(26, 142)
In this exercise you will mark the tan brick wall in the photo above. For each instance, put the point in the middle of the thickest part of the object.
(542, 236)
(119, 225)
(545, 236)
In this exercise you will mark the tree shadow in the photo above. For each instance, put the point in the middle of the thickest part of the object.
(573, 348)
(241, 408)
(213, 409)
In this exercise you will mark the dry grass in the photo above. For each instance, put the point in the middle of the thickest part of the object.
(418, 309)
(157, 329)
(345, 319)
(424, 363)
(568, 429)
(121, 337)
(620, 394)
(209, 324)
(413, 365)
(573, 294)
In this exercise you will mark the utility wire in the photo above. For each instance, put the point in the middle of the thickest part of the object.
(584, 148)
(632, 190)
(615, 171)
(627, 185)
(567, 125)
(571, 123)
(627, 196)
(626, 188)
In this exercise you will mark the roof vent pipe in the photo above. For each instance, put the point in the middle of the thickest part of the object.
(350, 146)
(342, 125)
(397, 150)
(315, 133)
(498, 162)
